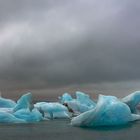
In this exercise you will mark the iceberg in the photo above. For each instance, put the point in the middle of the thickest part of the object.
(53, 110)
(24, 102)
(25, 110)
(133, 101)
(108, 111)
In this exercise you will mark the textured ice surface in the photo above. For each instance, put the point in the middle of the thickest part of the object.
(22, 111)
(39, 104)
(53, 110)
(133, 101)
(108, 111)
(6, 103)
(6, 117)
(66, 97)
(84, 99)
(81, 104)
(24, 102)
(9, 110)
(77, 107)
(29, 116)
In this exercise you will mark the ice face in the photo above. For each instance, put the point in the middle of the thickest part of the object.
(29, 116)
(9, 107)
(7, 103)
(108, 111)
(24, 102)
(133, 101)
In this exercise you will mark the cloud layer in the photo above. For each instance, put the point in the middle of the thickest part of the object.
(50, 43)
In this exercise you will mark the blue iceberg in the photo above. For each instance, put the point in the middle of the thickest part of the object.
(108, 111)
(133, 101)
(22, 112)
(52, 110)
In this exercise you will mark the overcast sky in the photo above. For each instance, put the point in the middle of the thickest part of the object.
(60, 43)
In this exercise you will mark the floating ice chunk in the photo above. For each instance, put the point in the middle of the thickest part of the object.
(108, 111)
(24, 102)
(6, 103)
(133, 101)
(53, 110)
(29, 116)
(6, 117)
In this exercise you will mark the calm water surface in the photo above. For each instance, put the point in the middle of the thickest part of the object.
(62, 130)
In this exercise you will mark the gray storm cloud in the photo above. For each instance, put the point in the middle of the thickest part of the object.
(60, 43)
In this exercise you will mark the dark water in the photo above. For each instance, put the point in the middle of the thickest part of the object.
(62, 130)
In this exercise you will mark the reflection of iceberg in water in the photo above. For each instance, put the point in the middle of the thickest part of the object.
(108, 111)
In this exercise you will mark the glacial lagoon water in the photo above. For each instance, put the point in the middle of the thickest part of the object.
(62, 130)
